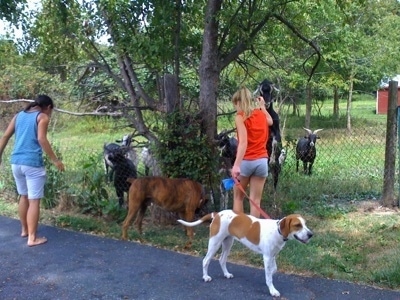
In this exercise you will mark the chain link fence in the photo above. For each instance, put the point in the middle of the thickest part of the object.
(349, 166)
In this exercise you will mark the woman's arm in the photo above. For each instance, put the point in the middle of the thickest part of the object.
(6, 136)
(43, 124)
(242, 145)
(261, 104)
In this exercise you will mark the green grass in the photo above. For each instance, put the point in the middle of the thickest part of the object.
(355, 239)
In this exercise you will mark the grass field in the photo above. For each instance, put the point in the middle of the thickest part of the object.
(356, 239)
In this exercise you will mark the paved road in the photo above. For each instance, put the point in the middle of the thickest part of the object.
(80, 266)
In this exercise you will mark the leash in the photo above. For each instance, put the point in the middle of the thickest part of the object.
(263, 213)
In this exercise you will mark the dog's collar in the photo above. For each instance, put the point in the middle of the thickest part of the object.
(279, 230)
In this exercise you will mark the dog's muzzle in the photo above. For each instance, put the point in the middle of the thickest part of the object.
(306, 239)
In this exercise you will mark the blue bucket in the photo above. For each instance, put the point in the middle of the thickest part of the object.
(228, 183)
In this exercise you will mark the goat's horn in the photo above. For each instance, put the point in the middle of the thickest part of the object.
(308, 130)
(315, 131)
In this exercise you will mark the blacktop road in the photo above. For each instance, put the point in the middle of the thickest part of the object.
(75, 265)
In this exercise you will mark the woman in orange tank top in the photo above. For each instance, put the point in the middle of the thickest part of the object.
(251, 165)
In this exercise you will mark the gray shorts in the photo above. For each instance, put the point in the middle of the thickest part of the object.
(257, 167)
(29, 180)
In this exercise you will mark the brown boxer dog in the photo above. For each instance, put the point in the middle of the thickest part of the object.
(179, 195)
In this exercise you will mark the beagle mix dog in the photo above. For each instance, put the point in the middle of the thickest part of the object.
(264, 236)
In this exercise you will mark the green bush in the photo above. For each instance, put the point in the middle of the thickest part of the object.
(55, 182)
(90, 192)
(183, 151)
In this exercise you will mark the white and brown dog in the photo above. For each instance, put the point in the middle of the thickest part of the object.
(264, 236)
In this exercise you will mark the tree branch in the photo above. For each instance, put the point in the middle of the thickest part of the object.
(243, 45)
(93, 113)
(311, 43)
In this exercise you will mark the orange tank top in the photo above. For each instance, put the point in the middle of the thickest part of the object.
(257, 135)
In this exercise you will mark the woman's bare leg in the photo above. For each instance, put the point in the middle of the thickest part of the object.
(22, 212)
(256, 190)
(238, 195)
(33, 220)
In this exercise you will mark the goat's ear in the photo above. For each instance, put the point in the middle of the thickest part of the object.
(318, 137)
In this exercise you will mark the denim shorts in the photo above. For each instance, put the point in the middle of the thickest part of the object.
(29, 180)
(257, 167)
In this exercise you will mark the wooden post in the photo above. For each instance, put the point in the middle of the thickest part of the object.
(398, 147)
(388, 198)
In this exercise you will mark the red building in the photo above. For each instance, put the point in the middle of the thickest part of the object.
(382, 97)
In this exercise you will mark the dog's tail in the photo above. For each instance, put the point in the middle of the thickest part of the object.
(208, 217)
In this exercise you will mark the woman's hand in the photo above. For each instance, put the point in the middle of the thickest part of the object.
(235, 171)
(261, 102)
(59, 164)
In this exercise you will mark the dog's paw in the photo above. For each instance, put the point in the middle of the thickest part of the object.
(274, 292)
(228, 275)
(207, 278)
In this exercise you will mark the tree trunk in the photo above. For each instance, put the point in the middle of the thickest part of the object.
(209, 71)
(294, 110)
(308, 106)
(177, 35)
(349, 99)
(171, 93)
(335, 103)
(172, 99)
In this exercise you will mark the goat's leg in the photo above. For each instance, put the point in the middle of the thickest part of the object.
(108, 170)
(272, 158)
(106, 167)
(120, 195)
(297, 165)
(275, 170)
(111, 174)
(305, 167)
(310, 167)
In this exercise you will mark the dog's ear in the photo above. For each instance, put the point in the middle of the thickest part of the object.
(284, 227)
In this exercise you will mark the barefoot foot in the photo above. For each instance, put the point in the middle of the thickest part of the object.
(37, 241)
(24, 232)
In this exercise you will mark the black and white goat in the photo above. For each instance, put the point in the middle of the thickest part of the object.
(306, 151)
(277, 155)
(227, 146)
(123, 169)
(125, 145)
(151, 166)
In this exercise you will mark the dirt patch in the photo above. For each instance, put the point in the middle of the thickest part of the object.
(374, 207)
